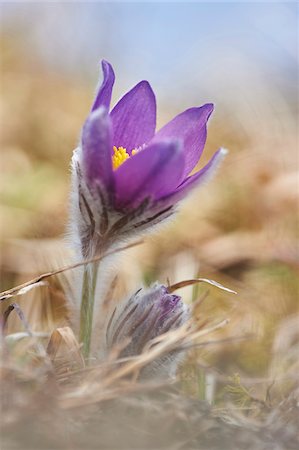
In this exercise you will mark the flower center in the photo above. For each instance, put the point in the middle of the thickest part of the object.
(120, 156)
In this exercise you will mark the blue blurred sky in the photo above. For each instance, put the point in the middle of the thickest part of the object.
(209, 46)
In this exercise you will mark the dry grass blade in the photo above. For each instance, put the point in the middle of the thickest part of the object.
(28, 332)
(64, 339)
(8, 311)
(185, 283)
(15, 337)
(22, 288)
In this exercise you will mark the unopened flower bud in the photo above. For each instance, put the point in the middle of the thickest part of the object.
(147, 314)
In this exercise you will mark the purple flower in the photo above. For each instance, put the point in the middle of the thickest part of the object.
(127, 176)
(146, 315)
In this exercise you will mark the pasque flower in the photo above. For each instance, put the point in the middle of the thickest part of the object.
(127, 177)
(147, 314)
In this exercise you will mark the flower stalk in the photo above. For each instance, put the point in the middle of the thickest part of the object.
(87, 305)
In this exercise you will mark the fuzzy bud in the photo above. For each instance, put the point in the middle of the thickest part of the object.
(147, 314)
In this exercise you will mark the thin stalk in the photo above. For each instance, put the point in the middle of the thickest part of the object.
(87, 305)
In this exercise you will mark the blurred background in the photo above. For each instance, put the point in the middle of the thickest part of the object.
(241, 229)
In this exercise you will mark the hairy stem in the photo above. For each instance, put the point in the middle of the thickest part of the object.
(87, 305)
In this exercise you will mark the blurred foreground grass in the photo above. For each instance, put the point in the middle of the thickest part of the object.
(241, 230)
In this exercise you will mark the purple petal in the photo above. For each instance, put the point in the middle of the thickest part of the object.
(103, 96)
(96, 145)
(200, 177)
(153, 172)
(134, 117)
(168, 303)
(190, 126)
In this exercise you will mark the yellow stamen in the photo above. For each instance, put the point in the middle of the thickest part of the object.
(120, 156)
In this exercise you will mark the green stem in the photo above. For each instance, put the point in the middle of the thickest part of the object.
(87, 305)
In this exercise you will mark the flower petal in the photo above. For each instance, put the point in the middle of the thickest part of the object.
(200, 177)
(103, 96)
(153, 172)
(96, 144)
(134, 117)
(190, 126)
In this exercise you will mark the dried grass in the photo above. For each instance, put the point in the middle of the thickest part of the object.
(46, 386)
